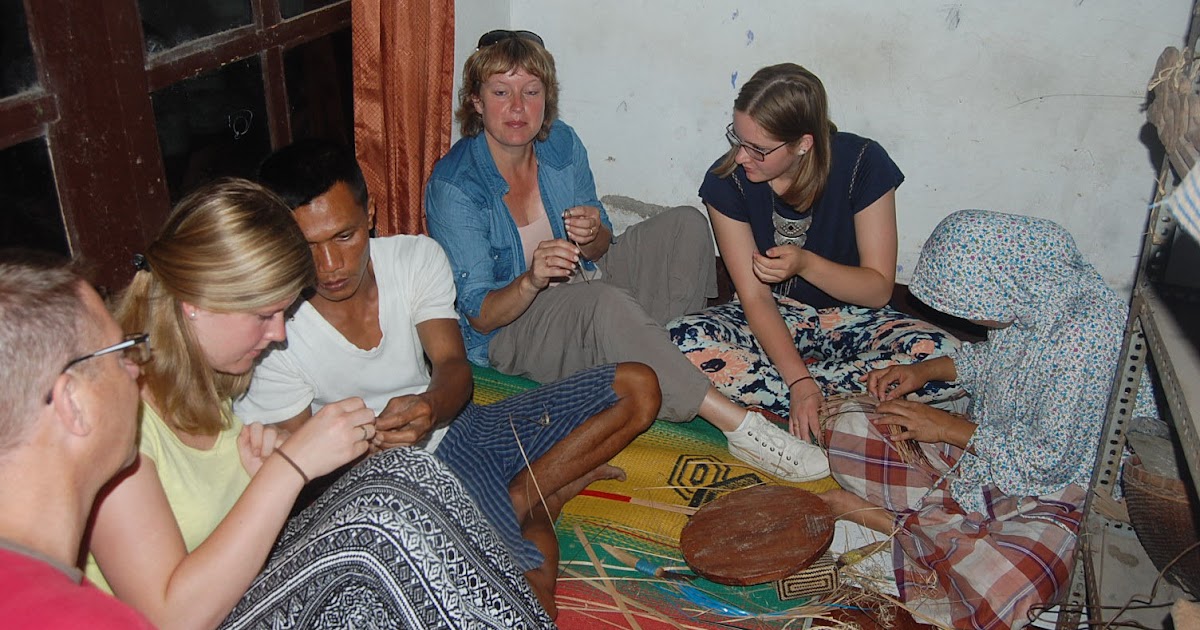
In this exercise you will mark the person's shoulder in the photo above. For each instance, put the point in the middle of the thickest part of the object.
(853, 154)
(460, 161)
(558, 148)
(846, 143)
(153, 430)
(733, 183)
(563, 132)
(710, 172)
(38, 595)
(408, 255)
(1090, 318)
(401, 246)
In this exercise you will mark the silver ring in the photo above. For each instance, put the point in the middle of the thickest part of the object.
(364, 429)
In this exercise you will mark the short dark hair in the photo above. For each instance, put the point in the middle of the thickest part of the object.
(307, 169)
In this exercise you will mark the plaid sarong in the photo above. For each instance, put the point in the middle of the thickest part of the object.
(988, 569)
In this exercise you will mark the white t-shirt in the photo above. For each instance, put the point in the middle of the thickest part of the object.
(319, 366)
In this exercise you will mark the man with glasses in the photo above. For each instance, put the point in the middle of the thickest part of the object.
(68, 424)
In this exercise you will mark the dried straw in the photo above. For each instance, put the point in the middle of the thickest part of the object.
(835, 406)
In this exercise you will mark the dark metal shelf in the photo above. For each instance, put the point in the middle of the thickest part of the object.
(1170, 320)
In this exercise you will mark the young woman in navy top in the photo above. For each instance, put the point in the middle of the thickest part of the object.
(805, 221)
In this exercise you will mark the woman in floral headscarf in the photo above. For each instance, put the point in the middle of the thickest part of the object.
(987, 504)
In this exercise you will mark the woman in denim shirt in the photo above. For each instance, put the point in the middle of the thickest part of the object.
(544, 287)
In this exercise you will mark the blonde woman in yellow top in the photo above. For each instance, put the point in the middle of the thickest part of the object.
(189, 536)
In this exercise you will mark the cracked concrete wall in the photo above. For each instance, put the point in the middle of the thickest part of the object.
(1025, 106)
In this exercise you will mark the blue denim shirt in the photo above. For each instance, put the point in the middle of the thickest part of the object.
(466, 214)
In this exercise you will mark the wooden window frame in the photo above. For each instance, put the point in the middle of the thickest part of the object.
(94, 109)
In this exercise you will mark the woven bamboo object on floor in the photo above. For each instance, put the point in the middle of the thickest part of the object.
(1165, 521)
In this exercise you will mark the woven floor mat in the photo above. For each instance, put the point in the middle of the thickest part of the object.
(670, 466)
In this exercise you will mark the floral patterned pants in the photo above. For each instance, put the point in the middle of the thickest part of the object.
(840, 345)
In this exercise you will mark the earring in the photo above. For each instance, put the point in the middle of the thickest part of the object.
(192, 315)
(802, 152)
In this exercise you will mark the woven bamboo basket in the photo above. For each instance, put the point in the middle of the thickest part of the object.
(1165, 519)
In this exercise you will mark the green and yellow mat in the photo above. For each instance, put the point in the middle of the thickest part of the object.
(671, 469)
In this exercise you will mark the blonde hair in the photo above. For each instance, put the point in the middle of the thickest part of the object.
(789, 102)
(231, 246)
(502, 57)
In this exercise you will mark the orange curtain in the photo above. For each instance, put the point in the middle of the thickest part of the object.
(403, 94)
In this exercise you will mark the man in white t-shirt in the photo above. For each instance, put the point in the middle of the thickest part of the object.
(382, 326)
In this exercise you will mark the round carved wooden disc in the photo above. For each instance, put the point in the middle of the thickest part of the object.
(757, 535)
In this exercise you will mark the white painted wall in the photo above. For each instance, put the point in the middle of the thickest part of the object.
(1026, 106)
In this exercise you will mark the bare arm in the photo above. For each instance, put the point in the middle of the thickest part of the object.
(450, 383)
(896, 381)
(503, 306)
(552, 260)
(736, 242)
(408, 419)
(926, 424)
(139, 547)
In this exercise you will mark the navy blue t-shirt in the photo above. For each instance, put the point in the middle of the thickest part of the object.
(831, 234)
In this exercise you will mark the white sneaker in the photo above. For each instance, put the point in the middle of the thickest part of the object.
(761, 444)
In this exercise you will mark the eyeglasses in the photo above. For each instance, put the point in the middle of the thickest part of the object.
(751, 150)
(135, 347)
(499, 35)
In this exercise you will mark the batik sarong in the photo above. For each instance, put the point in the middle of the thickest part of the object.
(395, 543)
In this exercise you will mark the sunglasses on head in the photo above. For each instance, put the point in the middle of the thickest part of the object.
(499, 35)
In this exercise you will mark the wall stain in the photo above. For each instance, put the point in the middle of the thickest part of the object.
(733, 80)
(623, 106)
(953, 16)
(749, 37)
(1047, 96)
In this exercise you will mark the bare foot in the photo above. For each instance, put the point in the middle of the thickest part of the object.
(851, 507)
(538, 526)
(568, 492)
(603, 472)
(542, 581)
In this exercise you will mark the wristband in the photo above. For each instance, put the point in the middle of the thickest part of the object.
(293, 464)
(793, 383)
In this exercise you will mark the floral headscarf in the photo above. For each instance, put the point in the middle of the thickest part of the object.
(1039, 387)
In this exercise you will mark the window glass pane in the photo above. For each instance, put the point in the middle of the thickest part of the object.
(29, 212)
(17, 70)
(292, 8)
(169, 23)
(212, 125)
(320, 88)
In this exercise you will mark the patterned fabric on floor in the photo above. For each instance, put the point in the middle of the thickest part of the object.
(395, 543)
(681, 465)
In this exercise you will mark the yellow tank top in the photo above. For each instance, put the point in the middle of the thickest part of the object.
(201, 485)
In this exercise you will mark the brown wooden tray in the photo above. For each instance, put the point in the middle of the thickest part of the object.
(757, 535)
